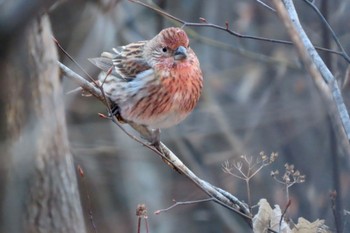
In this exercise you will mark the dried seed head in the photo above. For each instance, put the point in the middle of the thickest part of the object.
(141, 211)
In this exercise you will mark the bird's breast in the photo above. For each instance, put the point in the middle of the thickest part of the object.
(167, 99)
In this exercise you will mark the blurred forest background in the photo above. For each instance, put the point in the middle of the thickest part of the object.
(257, 97)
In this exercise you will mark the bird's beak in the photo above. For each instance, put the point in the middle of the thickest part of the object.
(180, 53)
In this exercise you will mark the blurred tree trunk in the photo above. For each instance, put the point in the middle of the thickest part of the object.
(37, 171)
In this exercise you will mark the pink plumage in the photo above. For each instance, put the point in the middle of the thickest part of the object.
(156, 83)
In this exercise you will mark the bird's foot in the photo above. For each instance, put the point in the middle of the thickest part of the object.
(114, 111)
(155, 138)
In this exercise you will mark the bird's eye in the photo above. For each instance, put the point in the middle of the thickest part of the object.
(165, 49)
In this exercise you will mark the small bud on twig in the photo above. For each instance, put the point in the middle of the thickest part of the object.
(203, 20)
(102, 115)
(80, 170)
(141, 211)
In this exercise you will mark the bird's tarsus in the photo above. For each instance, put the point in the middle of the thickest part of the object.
(155, 138)
(114, 110)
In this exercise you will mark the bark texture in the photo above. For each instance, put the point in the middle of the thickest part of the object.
(37, 166)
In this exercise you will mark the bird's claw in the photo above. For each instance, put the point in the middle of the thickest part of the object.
(114, 111)
(155, 138)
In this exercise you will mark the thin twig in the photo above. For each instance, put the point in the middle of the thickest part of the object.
(325, 22)
(83, 83)
(326, 40)
(265, 5)
(225, 28)
(183, 203)
(219, 196)
(313, 62)
(284, 214)
(91, 216)
(71, 58)
(333, 196)
(146, 223)
(139, 225)
(241, 51)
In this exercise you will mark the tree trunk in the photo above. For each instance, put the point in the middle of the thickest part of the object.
(36, 165)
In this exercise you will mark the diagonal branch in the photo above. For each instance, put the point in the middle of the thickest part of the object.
(219, 196)
(329, 28)
(313, 62)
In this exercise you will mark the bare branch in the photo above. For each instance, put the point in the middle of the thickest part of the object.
(83, 83)
(86, 191)
(265, 5)
(284, 214)
(218, 195)
(324, 21)
(183, 203)
(204, 23)
(313, 62)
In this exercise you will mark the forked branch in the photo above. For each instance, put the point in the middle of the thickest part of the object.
(226, 28)
(313, 62)
(307, 51)
(219, 196)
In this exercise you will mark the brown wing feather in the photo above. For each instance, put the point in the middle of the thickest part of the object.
(129, 60)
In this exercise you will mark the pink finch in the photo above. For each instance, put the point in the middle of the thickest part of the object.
(155, 82)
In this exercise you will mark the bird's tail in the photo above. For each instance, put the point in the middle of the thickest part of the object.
(105, 62)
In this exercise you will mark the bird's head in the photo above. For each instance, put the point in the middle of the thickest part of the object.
(170, 46)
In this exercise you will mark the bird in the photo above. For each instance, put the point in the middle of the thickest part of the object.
(155, 83)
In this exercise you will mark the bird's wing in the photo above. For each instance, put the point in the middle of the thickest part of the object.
(129, 61)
